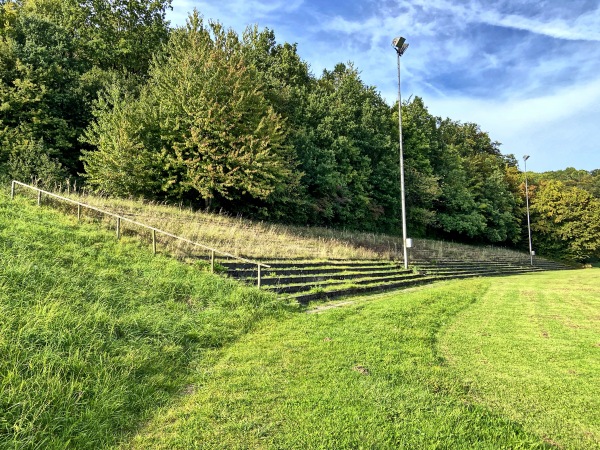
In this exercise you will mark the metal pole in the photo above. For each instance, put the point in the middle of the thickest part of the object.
(525, 158)
(405, 250)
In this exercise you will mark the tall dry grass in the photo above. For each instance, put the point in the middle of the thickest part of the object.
(262, 240)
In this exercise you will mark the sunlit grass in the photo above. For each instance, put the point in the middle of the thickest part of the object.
(533, 353)
(374, 374)
(96, 333)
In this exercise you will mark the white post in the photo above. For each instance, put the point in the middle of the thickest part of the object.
(525, 158)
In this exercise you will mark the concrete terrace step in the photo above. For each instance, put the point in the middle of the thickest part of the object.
(301, 263)
(361, 290)
(314, 278)
(337, 276)
(311, 280)
(311, 270)
(478, 270)
(296, 288)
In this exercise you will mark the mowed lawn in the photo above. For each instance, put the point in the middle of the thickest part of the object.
(530, 349)
(485, 363)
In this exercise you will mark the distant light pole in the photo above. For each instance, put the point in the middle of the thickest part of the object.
(525, 158)
(400, 46)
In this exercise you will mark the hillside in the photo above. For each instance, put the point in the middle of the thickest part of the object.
(264, 240)
(105, 345)
(96, 334)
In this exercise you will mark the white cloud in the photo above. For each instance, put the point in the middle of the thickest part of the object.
(236, 14)
(555, 129)
(576, 27)
(584, 27)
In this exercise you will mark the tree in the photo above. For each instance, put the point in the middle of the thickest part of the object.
(213, 135)
(55, 56)
(347, 155)
(127, 161)
(38, 92)
(588, 181)
(421, 144)
(565, 221)
(478, 198)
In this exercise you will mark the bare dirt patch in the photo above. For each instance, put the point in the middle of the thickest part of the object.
(361, 369)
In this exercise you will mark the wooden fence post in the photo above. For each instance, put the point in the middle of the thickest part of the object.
(212, 261)
(258, 278)
(154, 242)
(39, 200)
(118, 227)
(78, 211)
(12, 190)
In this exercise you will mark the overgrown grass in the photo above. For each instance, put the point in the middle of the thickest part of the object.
(373, 374)
(95, 334)
(253, 239)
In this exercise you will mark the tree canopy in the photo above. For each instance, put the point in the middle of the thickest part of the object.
(107, 92)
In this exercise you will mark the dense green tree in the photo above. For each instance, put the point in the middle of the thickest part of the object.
(347, 154)
(39, 90)
(422, 148)
(565, 221)
(457, 214)
(126, 160)
(213, 135)
(286, 82)
(486, 208)
(55, 56)
(583, 179)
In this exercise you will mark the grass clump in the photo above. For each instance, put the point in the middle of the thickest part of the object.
(95, 333)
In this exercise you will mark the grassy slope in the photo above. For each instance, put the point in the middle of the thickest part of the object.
(95, 334)
(373, 375)
(266, 240)
(97, 338)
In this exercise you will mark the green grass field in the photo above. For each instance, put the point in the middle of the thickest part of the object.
(103, 345)
(488, 363)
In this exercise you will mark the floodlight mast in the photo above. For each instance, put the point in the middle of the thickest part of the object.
(525, 158)
(400, 46)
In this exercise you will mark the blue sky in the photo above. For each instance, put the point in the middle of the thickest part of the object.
(528, 72)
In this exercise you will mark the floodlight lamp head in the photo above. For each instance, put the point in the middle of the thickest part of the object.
(525, 157)
(400, 45)
(398, 42)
